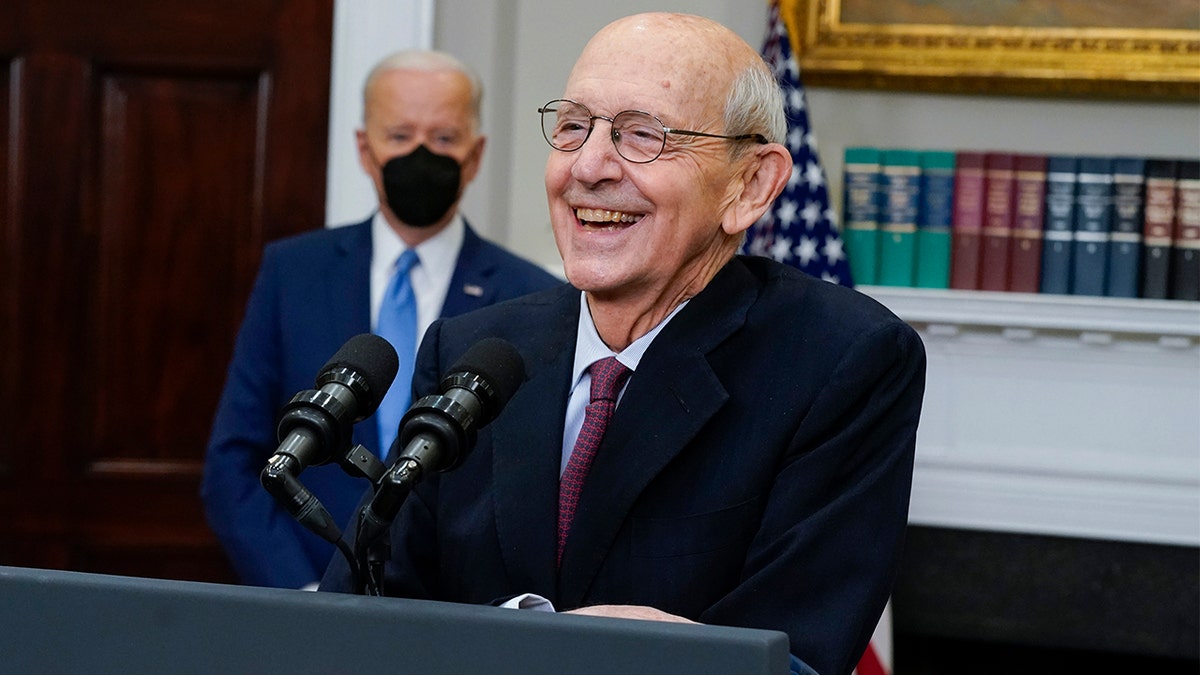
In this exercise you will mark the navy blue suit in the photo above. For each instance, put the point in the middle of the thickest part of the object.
(755, 473)
(311, 295)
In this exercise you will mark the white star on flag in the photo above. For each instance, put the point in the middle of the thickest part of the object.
(782, 249)
(834, 253)
(811, 214)
(807, 250)
(815, 176)
(786, 213)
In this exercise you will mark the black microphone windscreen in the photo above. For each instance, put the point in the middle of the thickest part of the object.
(373, 359)
(497, 362)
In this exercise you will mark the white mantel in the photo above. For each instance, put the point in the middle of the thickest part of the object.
(1059, 415)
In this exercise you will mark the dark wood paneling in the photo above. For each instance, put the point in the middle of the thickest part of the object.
(176, 184)
(151, 148)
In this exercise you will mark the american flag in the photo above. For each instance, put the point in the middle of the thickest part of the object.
(800, 229)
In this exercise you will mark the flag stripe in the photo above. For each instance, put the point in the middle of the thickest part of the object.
(870, 664)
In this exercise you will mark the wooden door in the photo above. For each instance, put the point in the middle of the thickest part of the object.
(150, 148)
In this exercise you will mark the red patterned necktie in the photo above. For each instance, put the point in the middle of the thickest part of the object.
(608, 375)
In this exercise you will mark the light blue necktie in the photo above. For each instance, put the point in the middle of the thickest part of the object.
(398, 325)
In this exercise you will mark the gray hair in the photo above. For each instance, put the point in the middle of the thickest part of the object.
(429, 61)
(755, 106)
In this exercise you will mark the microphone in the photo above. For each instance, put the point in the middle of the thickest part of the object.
(316, 425)
(438, 431)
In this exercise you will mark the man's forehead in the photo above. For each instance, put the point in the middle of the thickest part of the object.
(452, 82)
(662, 53)
(426, 88)
(679, 58)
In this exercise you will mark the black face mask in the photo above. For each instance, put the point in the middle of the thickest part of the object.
(421, 186)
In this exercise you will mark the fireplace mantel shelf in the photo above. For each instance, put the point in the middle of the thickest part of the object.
(1061, 415)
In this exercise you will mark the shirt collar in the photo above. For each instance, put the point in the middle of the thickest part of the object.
(431, 279)
(589, 348)
(438, 254)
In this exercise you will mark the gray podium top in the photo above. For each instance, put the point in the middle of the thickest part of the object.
(71, 622)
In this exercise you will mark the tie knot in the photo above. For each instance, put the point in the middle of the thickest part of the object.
(406, 261)
(608, 375)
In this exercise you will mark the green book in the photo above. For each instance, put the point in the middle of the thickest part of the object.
(901, 172)
(935, 214)
(861, 199)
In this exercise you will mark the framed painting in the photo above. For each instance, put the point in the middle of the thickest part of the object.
(1091, 48)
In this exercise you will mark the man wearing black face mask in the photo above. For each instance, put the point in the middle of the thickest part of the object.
(421, 186)
(421, 146)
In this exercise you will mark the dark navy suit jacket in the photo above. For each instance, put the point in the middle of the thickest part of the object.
(755, 473)
(311, 295)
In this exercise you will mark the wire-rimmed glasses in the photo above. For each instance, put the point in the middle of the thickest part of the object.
(638, 136)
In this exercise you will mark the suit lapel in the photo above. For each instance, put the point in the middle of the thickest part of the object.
(670, 397)
(473, 284)
(347, 282)
(347, 303)
(527, 438)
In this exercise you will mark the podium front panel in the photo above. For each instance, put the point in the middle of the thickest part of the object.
(73, 622)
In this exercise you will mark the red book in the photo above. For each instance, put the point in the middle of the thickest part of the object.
(967, 225)
(1025, 255)
(998, 208)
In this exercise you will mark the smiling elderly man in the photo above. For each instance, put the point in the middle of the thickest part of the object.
(757, 467)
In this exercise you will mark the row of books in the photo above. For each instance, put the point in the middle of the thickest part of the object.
(1029, 223)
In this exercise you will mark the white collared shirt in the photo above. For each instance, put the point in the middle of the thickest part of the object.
(430, 279)
(589, 348)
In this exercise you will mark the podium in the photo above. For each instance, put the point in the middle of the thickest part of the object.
(74, 622)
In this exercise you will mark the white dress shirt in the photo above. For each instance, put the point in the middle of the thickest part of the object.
(430, 279)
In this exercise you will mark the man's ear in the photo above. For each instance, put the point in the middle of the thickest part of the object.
(763, 178)
(364, 152)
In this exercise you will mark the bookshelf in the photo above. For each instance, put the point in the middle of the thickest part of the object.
(1060, 415)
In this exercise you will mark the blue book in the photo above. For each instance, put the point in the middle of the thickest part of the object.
(1125, 247)
(1061, 175)
(1093, 225)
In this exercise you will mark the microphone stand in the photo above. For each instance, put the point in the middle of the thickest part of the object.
(372, 540)
(435, 434)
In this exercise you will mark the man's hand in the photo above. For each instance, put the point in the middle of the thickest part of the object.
(630, 612)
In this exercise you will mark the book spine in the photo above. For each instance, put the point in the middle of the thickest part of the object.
(998, 207)
(1026, 252)
(934, 218)
(898, 219)
(1185, 261)
(1158, 222)
(1061, 175)
(1125, 249)
(967, 226)
(860, 203)
(1093, 225)
(997, 225)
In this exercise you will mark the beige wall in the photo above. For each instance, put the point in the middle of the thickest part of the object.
(524, 50)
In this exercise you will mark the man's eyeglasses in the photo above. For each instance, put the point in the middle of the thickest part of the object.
(638, 136)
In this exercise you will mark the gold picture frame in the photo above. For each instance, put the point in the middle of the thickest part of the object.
(884, 48)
